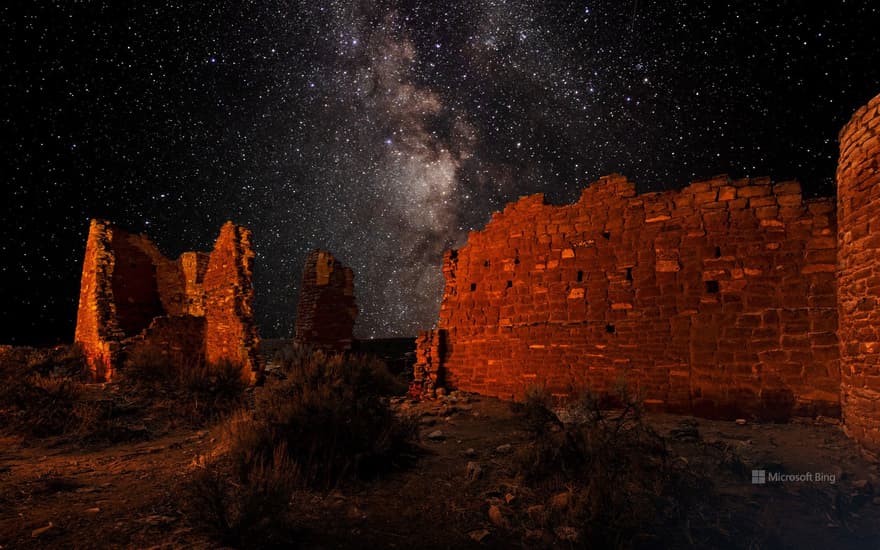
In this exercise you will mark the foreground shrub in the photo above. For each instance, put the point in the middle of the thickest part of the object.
(249, 511)
(319, 421)
(328, 413)
(197, 391)
(41, 390)
(609, 478)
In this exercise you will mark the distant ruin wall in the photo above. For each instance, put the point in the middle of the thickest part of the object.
(326, 311)
(858, 210)
(131, 295)
(718, 299)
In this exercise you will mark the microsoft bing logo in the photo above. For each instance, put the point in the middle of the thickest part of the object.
(759, 477)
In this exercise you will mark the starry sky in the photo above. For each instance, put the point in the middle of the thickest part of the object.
(385, 130)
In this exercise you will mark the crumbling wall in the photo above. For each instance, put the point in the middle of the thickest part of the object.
(230, 332)
(717, 299)
(97, 330)
(326, 311)
(858, 211)
(131, 295)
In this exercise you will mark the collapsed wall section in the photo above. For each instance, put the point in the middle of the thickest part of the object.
(858, 211)
(326, 311)
(718, 299)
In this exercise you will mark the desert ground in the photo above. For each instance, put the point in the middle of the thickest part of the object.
(474, 472)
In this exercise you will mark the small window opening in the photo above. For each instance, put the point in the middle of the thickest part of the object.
(610, 329)
(509, 284)
(606, 235)
(712, 287)
(717, 251)
(580, 276)
(629, 274)
(486, 263)
(473, 287)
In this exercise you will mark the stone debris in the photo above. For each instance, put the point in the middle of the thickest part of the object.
(42, 530)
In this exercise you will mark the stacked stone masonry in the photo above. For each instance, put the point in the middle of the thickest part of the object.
(858, 210)
(326, 312)
(718, 299)
(194, 309)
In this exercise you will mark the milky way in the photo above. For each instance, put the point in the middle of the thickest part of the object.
(385, 130)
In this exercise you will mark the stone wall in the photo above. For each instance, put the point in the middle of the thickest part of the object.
(230, 332)
(858, 209)
(131, 295)
(326, 311)
(718, 299)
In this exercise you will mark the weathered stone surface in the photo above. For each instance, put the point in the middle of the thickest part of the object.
(326, 311)
(230, 332)
(687, 297)
(131, 295)
(858, 275)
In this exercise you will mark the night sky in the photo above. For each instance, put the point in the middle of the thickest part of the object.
(384, 131)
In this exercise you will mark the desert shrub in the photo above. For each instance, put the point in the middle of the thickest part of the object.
(329, 414)
(623, 487)
(39, 388)
(319, 421)
(251, 509)
(199, 392)
(150, 366)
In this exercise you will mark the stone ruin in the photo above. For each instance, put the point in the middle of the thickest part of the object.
(196, 308)
(326, 311)
(726, 298)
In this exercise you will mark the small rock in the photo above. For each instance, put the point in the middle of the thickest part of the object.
(479, 534)
(496, 517)
(94, 510)
(687, 433)
(509, 497)
(436, 435)
(741, 421)
(470, 452)
(566, 533)
(473, 470)
(427, 421)
(534, 534)
(503, 449)
(560, 501)
(41, 530)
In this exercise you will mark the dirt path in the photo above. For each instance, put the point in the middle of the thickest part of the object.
(128, 496)
(118, 497)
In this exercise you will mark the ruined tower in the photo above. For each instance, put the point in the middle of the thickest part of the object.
(326, 310)
(858, 277)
